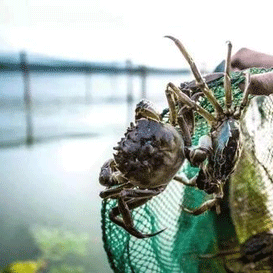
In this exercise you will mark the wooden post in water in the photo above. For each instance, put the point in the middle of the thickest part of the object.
(129, 97)
(143, 82)
(88, 96)
(27, 98)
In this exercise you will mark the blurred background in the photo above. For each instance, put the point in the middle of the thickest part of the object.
(71, 73)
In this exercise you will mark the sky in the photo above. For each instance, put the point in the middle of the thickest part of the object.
(114, 31)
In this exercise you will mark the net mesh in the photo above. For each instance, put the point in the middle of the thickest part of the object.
(186, 237)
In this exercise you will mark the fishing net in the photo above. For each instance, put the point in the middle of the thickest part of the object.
(186, 238)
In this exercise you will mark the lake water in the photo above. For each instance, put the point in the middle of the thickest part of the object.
(76, 119)
(67, 104)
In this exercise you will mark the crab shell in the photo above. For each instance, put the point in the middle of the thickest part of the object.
(150, 154)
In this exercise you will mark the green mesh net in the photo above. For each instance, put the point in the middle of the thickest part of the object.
(186, 238)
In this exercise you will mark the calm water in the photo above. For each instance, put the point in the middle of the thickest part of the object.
(55, 183)
(66, 105)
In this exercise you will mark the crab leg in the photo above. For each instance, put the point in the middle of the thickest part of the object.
(208, 205)
(179, 118)
(184, 180)
(192, 104)
(114, 192)
(227, 82)
(184, 126)
(199, 79)
(246, 92)
(245, 98)
(136, 199)
(171, 103)
(205, 206)
(124, 209)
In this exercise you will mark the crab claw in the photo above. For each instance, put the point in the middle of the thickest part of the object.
(145, 109)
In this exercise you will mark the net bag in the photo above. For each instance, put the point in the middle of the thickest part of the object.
(247, 207)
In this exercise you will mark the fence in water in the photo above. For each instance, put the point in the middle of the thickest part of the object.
(43, 98)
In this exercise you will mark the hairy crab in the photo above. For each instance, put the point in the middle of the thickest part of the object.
(146, 160)
(217, 153)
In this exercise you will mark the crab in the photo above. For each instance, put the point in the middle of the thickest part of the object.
(147, 159)
(153, 151)
(256, 250)
(217, 153)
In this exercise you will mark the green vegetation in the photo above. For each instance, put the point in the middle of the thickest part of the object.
(61, 250)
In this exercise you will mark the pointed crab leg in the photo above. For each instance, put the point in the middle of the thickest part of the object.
(209, 204)
(171, 102)
(246, 91)
(245, 97)
(126, 221)
(192, 104)
(227, 82)
(199, 79)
